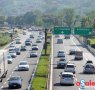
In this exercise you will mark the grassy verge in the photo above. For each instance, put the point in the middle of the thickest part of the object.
(40, 80)
(4, 39)
(92, 41)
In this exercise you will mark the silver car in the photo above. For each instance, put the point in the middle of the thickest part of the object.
(67, 78)
(60, 54)
(23, 65)
(70, 68)
(15, 82)
(89, 68)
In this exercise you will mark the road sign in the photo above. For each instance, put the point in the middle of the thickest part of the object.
(62, 30)
(83, 31)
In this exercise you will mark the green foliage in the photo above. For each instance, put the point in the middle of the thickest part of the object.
(4, 39)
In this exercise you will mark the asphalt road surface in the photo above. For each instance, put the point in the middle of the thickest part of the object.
(25, 55)
(68, 44)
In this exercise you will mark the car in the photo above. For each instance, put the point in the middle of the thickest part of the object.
(78, 55)
(23, 65)
(67, 78)
(60, 54)
(18, 51)
(89, 68)
(23, 48)
(31, 36)
(38, 41)
(15, 82)
(67, 36)
(72, 52)
(59, 41)
(18, 41)
(34, 44)
(28, 42)
(12, 46)
(61, 63)
(24, 33)
(35, 47)
(9, 59)
(70, 67)
(12, 52)
(33, 54)
(57, 36)
(89, 61)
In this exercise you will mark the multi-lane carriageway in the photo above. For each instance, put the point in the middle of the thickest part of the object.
(68, 44)
(25, 55)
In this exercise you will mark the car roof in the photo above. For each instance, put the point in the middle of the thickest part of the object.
(23, 61)
(67, 73)
(70, 64)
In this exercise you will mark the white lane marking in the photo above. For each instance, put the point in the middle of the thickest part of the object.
(78, 47)
(51, 68)
(2, 87)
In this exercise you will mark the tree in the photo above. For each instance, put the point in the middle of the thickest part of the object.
(69, 16)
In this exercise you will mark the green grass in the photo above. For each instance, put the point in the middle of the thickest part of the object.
(92, 41)
(40, 79)
(4, 39)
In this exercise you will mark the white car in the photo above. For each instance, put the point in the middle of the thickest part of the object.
(18, 41)
(12, 52)
(70, 67)
(67, 78)
(9, 59)
(23, 66)
(35, 47)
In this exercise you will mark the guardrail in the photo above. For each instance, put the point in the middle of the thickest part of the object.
(92, 50)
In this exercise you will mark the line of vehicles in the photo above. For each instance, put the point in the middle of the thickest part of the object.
(68, 76)
(13, 51)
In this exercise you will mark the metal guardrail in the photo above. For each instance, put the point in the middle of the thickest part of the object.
(92, 50)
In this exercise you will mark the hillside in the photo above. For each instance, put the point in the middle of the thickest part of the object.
(17, 7)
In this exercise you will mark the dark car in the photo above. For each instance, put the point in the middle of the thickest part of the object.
(89, 68)
(18, 52)
(23, 48)
(59, 41)
(89, 61)
(72, 51)
(61, 63)
(15, 82)
(31, 36)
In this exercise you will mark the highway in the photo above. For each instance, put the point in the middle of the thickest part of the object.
(25, 55)
(68, 44)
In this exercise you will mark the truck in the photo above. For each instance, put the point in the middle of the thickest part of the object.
(3, 67)
(78, 55)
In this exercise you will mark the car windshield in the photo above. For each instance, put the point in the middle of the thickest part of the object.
(23, 63)
(14, 78)
(62, 59)
(70, 66)
(34, 45)
(61, 52)
(89, 66)
(67, 75)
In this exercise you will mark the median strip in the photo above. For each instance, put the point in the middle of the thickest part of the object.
(41, 75)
